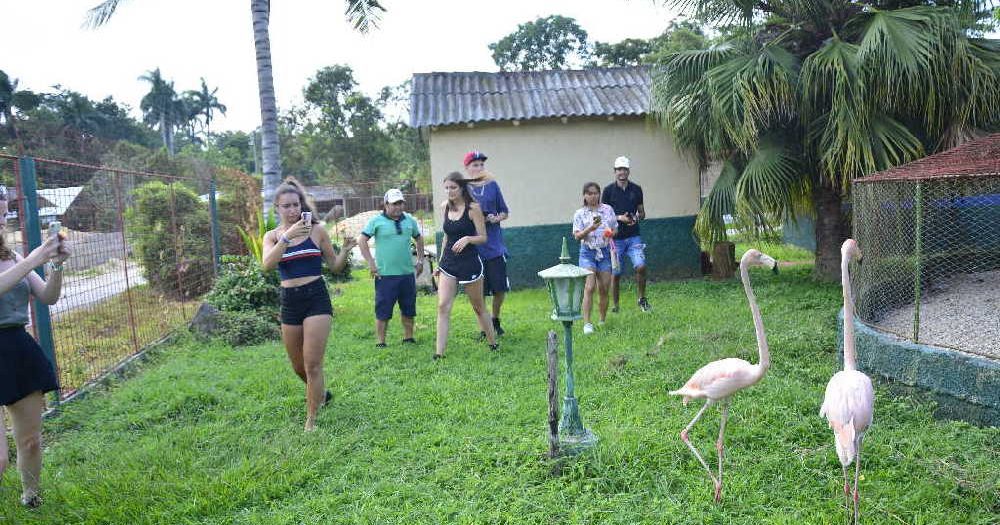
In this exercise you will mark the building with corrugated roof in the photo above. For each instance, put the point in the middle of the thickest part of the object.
(546, 134)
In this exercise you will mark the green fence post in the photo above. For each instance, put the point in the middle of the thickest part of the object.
(33, 238)
(214, 211)
(918, 262)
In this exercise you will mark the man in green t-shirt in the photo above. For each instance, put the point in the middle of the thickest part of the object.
(393, 266)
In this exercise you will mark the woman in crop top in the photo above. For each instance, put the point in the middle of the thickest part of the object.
(298, 250)
(25, 373)
(464, 226)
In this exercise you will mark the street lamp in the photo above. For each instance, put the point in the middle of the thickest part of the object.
(566, 282)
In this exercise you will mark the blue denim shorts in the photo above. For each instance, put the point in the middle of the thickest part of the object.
(588, 259)
(634, 249)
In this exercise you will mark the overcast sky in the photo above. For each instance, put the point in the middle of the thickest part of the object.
(45, 45)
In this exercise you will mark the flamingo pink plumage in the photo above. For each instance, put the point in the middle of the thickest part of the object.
(718, 380)
(850, 399)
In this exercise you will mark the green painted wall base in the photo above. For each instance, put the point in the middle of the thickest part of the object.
(671, 250)
(964, 386)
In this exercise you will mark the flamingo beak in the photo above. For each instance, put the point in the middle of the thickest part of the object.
(770, 261)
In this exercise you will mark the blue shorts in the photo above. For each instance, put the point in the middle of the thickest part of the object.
(634, 249)
(588, 259)
(391, 289)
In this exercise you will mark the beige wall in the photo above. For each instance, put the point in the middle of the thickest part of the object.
(542, 164)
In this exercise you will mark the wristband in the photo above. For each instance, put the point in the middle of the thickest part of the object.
(284, 239)
(55, 267)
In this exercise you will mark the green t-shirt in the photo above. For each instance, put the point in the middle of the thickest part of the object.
(392, 246)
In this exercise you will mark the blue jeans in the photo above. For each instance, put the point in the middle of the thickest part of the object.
(588, 259)
(634, 249)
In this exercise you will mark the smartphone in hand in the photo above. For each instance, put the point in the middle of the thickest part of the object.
(307, 217)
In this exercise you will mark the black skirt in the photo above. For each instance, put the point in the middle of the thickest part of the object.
(24, 369)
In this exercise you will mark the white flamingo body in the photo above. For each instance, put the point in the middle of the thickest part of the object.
(849, 402)
(848, 408)
(719, 380)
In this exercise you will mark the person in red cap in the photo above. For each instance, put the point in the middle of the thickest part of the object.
(486, 191)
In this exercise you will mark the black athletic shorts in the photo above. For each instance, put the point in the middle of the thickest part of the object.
(24, 369)
(307, 300)
(495, 271)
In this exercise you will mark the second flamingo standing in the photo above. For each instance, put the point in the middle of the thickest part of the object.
(718, 380)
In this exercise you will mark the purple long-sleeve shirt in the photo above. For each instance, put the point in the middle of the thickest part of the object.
(490, 200)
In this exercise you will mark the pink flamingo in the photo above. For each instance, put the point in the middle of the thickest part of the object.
(719, 380)
(850, 399)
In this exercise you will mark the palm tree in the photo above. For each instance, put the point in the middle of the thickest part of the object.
(363, 14)
(811, 94)
(162, 108)
(203, 104)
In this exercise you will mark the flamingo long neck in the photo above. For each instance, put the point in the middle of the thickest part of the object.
(758, 323)
(850, 358)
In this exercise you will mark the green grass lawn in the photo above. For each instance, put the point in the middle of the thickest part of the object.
(209, 434)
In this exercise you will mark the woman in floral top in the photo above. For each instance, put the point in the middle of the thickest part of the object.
(593, 225)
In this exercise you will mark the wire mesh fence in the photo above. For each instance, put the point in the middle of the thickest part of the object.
(143, 250)
(931, 266)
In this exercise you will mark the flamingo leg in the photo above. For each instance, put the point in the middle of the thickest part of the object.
(847, 496)
(684, 437)
(857, 473)
(720, 448)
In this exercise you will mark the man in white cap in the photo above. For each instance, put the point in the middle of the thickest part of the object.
(393, 267)
(626, 199)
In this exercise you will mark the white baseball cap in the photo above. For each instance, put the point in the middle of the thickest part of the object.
(393, 196)
(622, 162)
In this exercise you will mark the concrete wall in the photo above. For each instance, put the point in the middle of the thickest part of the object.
(542, 166)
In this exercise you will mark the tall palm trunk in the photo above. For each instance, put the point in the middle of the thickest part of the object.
(268, 109)
(831, 231)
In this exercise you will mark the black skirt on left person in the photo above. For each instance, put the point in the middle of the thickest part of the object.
(23, 366)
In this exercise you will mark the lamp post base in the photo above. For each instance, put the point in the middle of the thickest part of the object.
(573, 437)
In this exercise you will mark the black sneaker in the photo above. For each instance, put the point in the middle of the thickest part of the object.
(614, 309)
(494, 347)
(380, 345)
(496, 326)
(644, 305)
(327, 398)
(410, 340)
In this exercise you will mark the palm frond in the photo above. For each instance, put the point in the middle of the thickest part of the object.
(683, 68)
(719, 11)
(365, 15)
(710, 225)
(99, 15)
(766, 190)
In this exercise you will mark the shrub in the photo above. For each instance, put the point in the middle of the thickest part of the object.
(170, 228)
(243, 287)
(247, 328)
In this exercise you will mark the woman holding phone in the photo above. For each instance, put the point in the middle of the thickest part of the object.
(593, 225)
(298, 250)
(25, 373)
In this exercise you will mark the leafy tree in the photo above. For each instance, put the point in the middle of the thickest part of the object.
(628, 52)
(162, 108)
(363, 14)
(11, 100)
(553, 42)
(808, 95)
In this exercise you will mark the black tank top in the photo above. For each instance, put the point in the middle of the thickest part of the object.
(456, 229)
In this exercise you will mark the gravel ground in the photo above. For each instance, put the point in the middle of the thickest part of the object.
(962, 312)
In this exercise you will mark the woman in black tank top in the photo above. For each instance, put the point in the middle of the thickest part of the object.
(463, 226)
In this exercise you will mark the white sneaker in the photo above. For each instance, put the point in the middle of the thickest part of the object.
(588, 329)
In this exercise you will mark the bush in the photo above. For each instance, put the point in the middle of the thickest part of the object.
(170, 228)
(243, 287)
(247, 328)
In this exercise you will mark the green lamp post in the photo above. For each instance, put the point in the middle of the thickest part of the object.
(566, 283)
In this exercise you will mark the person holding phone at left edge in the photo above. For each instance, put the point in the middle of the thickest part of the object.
(25, 373)
(297, 249)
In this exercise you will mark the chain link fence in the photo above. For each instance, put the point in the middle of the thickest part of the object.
(144, 247)
(930, 271)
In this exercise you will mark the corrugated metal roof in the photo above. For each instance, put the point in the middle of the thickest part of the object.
(454, 98)
(976, 158)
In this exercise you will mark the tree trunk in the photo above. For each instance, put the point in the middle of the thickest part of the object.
(723, 260)
(268, 109)
(831, 231)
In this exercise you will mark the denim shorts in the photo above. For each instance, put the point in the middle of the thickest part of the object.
(634, 249)
(588, 259)
(389, 290)
(299, 302)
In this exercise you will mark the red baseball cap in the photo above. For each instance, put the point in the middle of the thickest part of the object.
(474, 155)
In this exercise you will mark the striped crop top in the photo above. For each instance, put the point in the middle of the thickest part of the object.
(302, 260)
